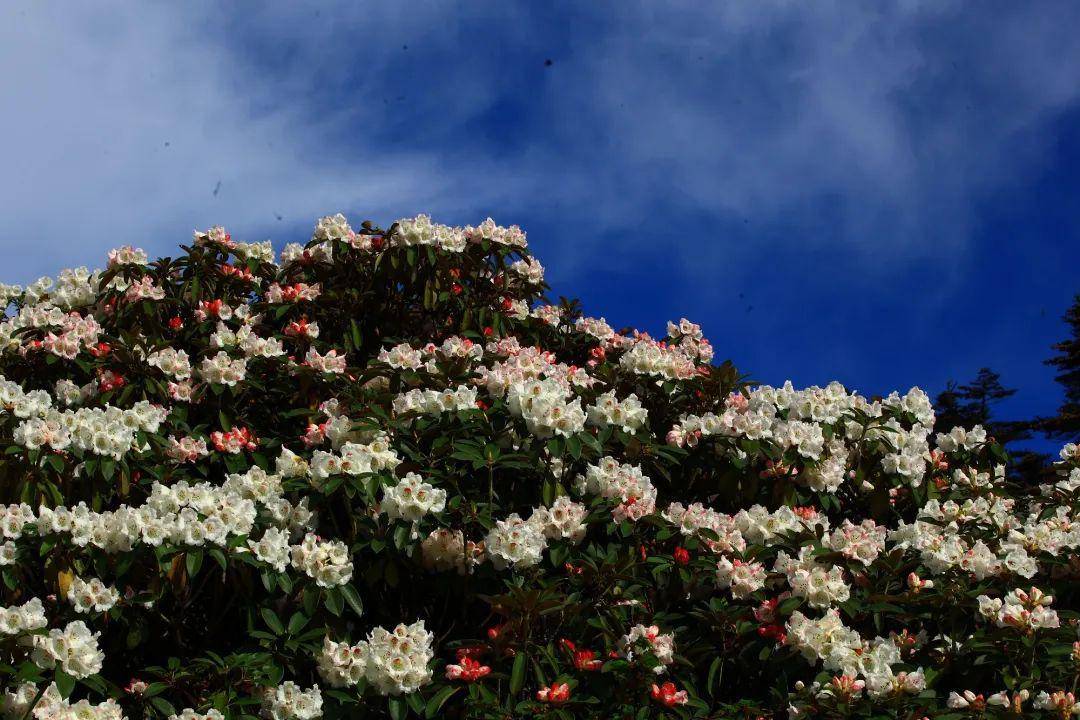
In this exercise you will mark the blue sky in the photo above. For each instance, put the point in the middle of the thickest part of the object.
(877, 193)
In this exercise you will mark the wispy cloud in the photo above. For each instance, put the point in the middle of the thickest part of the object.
(868, 127)
(877, 126)
(136, 123)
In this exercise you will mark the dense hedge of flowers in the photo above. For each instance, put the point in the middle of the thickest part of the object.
(379, 476)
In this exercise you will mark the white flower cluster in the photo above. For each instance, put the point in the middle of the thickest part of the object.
(20, 619)
(144, 289)
(597, 328)
(661, 645)
(262, 251)
(402, 357)
(172, 362)
(322, 253)
(445, 549)
(512, 542)
(1061, 702)
(102, 431)
(690, 339)
(353, 459)
(695, 518)
(326, 561)
(546, 408)
(75, 333)
(91, 595)
(627, 413)
(405, 357)
(798, 420)
(333, 227)
(529, 270)
(296, 292)
(223, 370)
(13, 519)
(68, 393)
(838, 647)
(421, 231)
(394, 661)
(180, 514)
(1025, 610)
(186, 449)
(654, 359)
(272, 548)
(250, 343)
(759, 525)
(512, 236)
(960, 438)
(624, 483)
(516, 543)
(743, 578)
(73, 287)
(74, 648)
(862, 542)
(943, 546)
(332, 362)
(822, 585)
(289, 701)
(411, 499)
(756, 525)
(51, 705)
(127, 255)
(565, 519)
(434, 402)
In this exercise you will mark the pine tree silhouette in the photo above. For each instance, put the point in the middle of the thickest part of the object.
(972, 404)
(1066, 424)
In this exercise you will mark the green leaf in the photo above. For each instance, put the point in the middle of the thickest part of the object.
(272, 621)
(517, 675)
(334, 602)
(220, 558)
(297, 622)
(64, 682)
(401, 536)
(438, 700)
(163, 705)
(349, 593)
(573, 445)
(193, 560)
(712, 674)
(398, 708)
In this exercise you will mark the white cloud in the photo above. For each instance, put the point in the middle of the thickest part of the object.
(889, 121)
(121, 121)
(875, 127)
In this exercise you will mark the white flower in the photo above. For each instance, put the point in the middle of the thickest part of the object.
(326, 561)
(289, 701)
(513, 542)
(394, 661)
(74, 648)
(412, 498)
(272, 548)
(565, 519)
(92, 594)
(744, 578)
(23, 618)
(659, 644)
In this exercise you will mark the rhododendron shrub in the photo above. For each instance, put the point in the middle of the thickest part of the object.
(379, 475)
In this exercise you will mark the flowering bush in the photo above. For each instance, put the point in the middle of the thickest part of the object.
(381, 477)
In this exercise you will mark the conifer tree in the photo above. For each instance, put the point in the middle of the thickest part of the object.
(973, 404)
(1066, 424)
